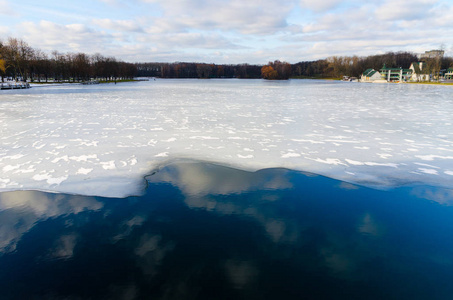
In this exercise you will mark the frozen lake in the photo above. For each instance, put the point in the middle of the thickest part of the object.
(101, 140)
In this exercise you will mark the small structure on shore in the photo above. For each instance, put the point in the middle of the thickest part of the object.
(14, 85)
(449, 74)
(91, 82)
(370, 75)
(350, 79)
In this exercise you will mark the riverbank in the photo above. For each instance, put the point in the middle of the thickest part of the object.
(14, 85)
(79, 82)
(432, 83)
(315, 77)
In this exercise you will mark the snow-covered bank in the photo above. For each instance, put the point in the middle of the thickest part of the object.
(102, 140)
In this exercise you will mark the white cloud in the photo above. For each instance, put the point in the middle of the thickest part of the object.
(50, 36)
(162, 26)
(397, 10)
(236, 31)
(119, 25)
(327, 22)
(247, 17)
(109, 1)
(5, 8)
(319, 6)
(191, 40)
(4, 31)
(355, 29)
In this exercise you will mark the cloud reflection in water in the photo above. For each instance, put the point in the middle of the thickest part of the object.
(201, 185)
(21, 210)
(197, 179)
(210, 232)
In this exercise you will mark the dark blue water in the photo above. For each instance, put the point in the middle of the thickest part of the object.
(203, 231)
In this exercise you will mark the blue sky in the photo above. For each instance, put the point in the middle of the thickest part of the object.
(230, 31)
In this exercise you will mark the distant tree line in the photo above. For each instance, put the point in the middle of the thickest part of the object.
(331, 67)
(197, 70)
(19, 61)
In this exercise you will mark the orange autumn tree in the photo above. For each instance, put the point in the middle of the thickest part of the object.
(269, 73)
(2, 68)
(2, 65)
(276, 70)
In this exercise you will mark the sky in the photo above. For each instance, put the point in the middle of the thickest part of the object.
(229, 31)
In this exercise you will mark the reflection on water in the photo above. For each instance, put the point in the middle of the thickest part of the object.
(22, 210)
(209, 232)
(209, 179)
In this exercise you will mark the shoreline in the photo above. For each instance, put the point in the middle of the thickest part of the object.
(81, 82)
(432, 83)
(291, 78)
(142, 182)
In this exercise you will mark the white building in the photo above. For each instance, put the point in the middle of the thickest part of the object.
(418, 73)
(370, 75)
(432, 54)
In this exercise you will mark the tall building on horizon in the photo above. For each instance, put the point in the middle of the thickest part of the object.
(432, 54)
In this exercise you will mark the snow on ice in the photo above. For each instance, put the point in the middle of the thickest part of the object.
(101, 140)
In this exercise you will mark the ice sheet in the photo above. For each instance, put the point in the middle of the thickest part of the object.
(101, 140)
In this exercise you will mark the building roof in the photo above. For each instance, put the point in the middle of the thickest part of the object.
(394, 70)
(367, 72)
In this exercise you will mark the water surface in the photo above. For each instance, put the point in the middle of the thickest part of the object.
(203, 231)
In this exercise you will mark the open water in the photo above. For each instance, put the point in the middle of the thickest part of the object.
(203, 231)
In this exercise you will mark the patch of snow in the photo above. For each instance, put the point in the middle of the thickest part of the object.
(118, 136)
(83, 157)
(163, 154)
(245, 156)
(108, 165)
(354, 162)
(10, 168)
(290, 154)
(330, 161)
(84, 171)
